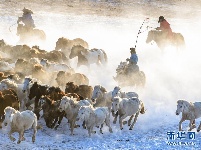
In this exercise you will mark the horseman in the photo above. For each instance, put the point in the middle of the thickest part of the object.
(27, 20)
(133, 60)
(165, 28)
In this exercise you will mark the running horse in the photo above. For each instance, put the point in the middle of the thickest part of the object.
(177, 39)
(30, 36)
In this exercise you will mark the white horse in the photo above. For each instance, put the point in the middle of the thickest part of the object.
(117, 92)
(127, 107)
(101, 98)
(71, 108)
(94, 117)
(50, 67)
(19, 122)
(95, 56)
(190, 111)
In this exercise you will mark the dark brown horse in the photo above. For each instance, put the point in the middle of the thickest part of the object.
(36, 91)
(162, 42)
(51, 113)
(84, 90)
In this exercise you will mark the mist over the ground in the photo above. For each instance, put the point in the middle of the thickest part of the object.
(113, 26)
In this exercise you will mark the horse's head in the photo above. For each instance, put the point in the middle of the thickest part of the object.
(115, 91)
(83, 112)
(61, 42)
(75, 51)
(8, 111)
(182, 106)
(64, 104)
(115, 104)
(150, 36)
(26, 84)
(2, 43)
(34, 90)
(97, 93)
(43, 62)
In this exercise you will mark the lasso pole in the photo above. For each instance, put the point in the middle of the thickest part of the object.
(139, 31)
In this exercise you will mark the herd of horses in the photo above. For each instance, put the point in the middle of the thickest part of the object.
(37, 81)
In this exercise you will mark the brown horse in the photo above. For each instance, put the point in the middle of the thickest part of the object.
(65, 45)
(30, 35)
(162, 42)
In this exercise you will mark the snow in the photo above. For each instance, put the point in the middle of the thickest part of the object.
(171, 75)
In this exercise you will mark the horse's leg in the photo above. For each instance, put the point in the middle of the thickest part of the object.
(21, 133)
(89, 131)
(84, 125)
(191, 125)
(180, 122)
(115, 117)
(121, 118)
(23, 138)
(10, 136)
(107, 121)
(34, 135)
(135, 119)
(101, 131)
(72, 125)
(199, 128)
(59, 122)
(129, 121)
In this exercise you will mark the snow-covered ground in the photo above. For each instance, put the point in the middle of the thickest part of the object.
(171, 75)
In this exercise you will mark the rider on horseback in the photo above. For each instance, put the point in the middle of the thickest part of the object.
(27, 20)
(132, 65)
(165, 28)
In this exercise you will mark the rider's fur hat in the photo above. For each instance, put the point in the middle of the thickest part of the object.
(27, 11)
(132, 50)
(160, 18)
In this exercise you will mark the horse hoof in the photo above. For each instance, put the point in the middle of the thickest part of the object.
(121, 128)
(18, 142)
(130, 128)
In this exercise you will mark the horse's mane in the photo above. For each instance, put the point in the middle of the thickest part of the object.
(77, 48)
(188, 106)
(99, 87)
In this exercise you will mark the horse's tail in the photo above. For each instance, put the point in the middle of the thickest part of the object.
(142, 110)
